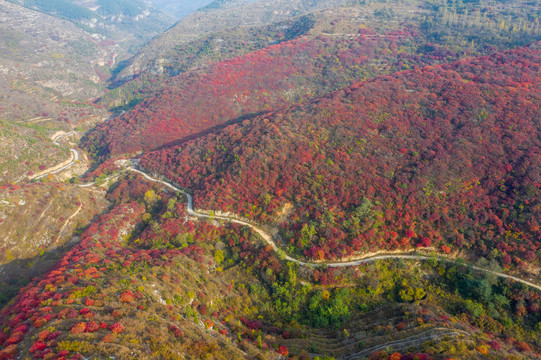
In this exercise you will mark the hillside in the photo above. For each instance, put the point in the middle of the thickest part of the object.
(45, 202)
(216, 33)
(202, 52)
(311, 55)
(273, 77)
(147, 282)
(215, 17)
(37, 226)
(46, 65)
(270, 180)
(439, 156)
(31, 122)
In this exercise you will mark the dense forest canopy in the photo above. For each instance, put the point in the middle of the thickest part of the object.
(271, 179)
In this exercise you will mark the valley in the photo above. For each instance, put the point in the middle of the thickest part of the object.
(270, 179)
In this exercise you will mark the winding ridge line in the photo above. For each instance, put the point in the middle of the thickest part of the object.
(269, 240)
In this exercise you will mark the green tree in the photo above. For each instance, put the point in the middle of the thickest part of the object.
(219, 256)
(474, 308)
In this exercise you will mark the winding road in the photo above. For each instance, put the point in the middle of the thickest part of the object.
(270, 241)
(63, 166)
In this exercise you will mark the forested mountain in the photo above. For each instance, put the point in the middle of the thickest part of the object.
(217, 16)
(270, 179)
(301, 58)
(234, 28)
(431, 157)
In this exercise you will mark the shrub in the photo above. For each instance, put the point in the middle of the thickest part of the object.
(92, 327)
(78, 328)
(126, 297)
(282, 350)
(116, 328)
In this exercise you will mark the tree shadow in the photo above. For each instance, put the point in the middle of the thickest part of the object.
(208, 131)
(18, 273)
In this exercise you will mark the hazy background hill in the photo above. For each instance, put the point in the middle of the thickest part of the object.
(228, 29)
(180, 8)
(215, 17)
(130, 23)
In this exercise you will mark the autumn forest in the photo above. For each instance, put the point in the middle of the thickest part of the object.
(278, 179)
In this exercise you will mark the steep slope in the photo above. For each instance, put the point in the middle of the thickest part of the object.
(37, 226)
(104, 310)
(277, 76)
(443, 156)
(312, 55)
(204, 51)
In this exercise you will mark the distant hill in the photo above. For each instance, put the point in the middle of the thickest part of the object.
(217, 16)
(292, 60)
(226, 29)
(130, 23)
(180, 8)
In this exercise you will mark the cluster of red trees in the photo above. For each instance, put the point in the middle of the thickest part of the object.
(444, 155)
(270, 78)
(62, 297)
(51, 298)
